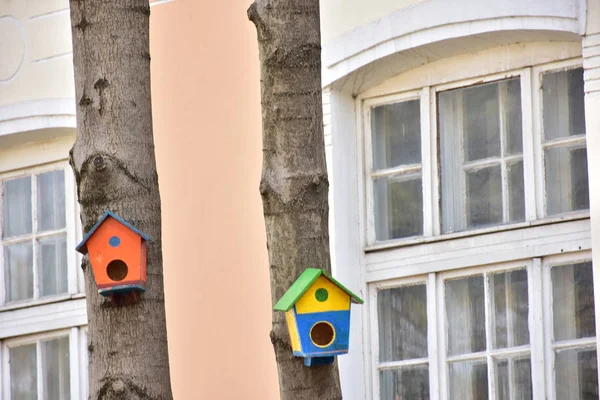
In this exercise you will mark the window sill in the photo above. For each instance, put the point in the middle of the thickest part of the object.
(418, 240)
(40, 302)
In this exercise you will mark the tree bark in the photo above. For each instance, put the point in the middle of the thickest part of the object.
(114, 165)
(294, 184)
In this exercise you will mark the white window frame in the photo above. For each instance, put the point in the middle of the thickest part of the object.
(74, 274)
(78, 380)
(532, 154)
(541, 347)
(536, 93)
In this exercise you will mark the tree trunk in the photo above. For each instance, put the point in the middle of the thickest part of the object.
(294, 185)
(114, 165)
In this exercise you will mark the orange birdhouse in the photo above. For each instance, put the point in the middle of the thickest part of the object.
(117, 253)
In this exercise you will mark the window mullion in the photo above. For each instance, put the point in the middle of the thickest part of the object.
(434, 162)
(488, 336)
(442, 340)
(40, 370)
(548, 331)
(74, 362)
(503, 165)
(374, 337)
(432, 335)
(34, 230)
(4, 372)
(369, 184)
(529, 145)
(536, 328)
(426, 163)
(70, 226)
(2, 283)
(535, 87)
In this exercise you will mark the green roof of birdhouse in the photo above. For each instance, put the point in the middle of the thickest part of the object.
(304, 281)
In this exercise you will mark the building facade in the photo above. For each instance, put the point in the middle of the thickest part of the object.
(462, 141)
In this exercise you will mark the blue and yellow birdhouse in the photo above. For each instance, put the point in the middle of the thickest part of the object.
(317, 311)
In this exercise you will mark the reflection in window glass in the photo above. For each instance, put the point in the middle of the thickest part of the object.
(566, 172)
(465, 313)
(481, 140)
(398, 196)
(573, 301)
(402, 323)
(55, 367)
(16, 207)
(405, 383)
(398, 206)
(396, 134)
(23, 372)
(469, 380)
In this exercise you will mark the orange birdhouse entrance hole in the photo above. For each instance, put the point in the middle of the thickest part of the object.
(117, 252)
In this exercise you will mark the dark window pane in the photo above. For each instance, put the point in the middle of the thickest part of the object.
(484, 197)
(406, 383)
(396, 134)
(398, 207)
(402, 314)
(563, 104)
(465, 313)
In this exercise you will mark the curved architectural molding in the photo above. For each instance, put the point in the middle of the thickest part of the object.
(426, 24)
(12, 47)
(37, 115)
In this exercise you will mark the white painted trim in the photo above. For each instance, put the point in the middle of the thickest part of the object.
(369, 43)
(74, 364)
(451, 19)
(42, 318)
(37, 114)
(537, 328)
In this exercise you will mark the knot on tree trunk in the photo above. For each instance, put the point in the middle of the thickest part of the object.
(122, 389)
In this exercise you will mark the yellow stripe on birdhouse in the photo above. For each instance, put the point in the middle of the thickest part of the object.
(323, 295)
(290, 318)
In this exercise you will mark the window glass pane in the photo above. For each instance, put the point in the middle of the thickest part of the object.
(465, 313)
(17, 207)
(484, 197)
(52, 253)
(573, 301)
(513, 378)
(402, 314)
(478, 123)
(511, 308)
(51, 200)
(55, 367)
(516, 191)
(23, 372)
(396, 134)
(18, 271)
(406, 383)
(576, 374)
(468, 380)
(566, 179)
(398, 206)
(563, 104)
(511, 94)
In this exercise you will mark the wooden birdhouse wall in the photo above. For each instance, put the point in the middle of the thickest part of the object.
(113, 241)
(336, 300)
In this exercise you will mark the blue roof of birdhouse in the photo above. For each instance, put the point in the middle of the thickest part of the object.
(82, 248)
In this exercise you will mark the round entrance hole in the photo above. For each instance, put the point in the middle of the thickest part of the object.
(116, 270)
(322, 334)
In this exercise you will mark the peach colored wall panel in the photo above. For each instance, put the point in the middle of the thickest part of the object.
(206, 103)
